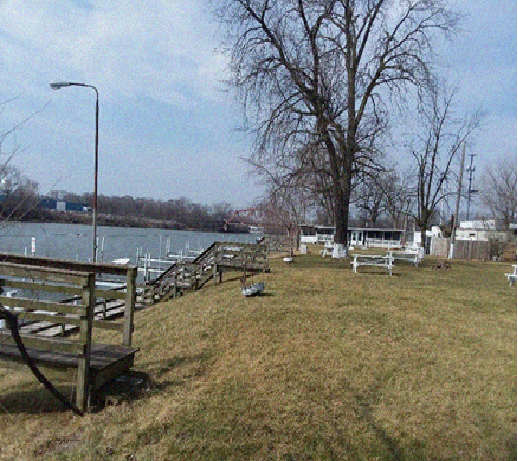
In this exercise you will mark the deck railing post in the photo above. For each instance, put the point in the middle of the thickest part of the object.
(129, 306)
(85, 343)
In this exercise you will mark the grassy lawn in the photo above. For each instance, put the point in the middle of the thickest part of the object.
(326, 365)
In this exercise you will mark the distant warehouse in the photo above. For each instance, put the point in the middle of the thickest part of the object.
(48, 203)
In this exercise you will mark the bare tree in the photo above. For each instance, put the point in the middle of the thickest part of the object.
(287, 202)
(398, 197)
(319, 73)
(18, 193)
(368, 198)
(499, 191)
(434, 151)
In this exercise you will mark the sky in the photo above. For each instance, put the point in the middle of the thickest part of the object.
(167, 126)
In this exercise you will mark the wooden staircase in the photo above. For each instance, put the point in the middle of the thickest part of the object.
(190, 276)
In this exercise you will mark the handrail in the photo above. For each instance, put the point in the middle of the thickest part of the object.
(98, 268)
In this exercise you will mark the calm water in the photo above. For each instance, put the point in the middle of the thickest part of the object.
(74, 241)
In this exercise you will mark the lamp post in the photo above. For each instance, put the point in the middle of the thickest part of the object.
(58, 86)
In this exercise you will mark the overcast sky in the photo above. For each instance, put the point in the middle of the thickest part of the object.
(166, 127)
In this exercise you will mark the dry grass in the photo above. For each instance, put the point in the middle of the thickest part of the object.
(327, 365)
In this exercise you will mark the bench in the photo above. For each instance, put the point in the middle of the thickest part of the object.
(511, 276)
(328, 249)
(57, 300)
(408, 256)
(385, 261)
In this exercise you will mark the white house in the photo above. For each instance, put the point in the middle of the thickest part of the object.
(358, 236)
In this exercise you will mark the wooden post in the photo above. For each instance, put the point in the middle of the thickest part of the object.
(86, 312)
(129, 306)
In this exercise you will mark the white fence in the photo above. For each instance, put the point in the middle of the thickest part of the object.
(382, 243)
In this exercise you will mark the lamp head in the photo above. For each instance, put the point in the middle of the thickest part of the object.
(59, 85)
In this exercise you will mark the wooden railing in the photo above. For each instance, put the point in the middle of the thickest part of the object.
(125, 275)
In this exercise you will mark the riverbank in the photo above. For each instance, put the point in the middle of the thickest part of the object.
(70, 217)
(327, 365)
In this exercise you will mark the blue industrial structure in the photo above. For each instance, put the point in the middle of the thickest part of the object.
(48, 203)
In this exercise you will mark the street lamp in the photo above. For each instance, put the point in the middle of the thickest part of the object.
(58, 86)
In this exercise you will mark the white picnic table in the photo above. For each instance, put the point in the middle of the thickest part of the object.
(385, 261)
(511, 276)
(409, 256)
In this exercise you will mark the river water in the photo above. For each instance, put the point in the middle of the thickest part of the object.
(74, 241)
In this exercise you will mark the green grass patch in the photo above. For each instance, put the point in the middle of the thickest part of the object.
(327, 365)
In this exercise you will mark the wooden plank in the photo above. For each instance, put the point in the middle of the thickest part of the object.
(111, 370)
(98, 268)
(110, 294)
(43, 273)
(107, 325)
(113, 309)
(30, 304)
(39, 286)
(102, 356)
(40, 343)
(129, 306)
(85, 341)
(51, 317)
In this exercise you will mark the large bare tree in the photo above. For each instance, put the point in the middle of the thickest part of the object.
(499, 191)
(320, 73)
(434, 150)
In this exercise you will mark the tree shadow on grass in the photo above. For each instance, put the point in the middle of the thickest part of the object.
(187, 367)
(365, 406)
(154, 376)
(34, 399)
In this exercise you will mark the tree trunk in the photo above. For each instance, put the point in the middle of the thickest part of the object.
(342, 192)
(423, 239)
(341, 216)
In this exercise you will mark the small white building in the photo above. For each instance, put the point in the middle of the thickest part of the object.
(430, 235)
(358, 236)
(480, 230)
(316, 234)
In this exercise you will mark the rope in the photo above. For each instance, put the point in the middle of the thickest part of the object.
(12, 323)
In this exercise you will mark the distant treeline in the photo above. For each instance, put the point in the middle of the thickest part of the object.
(127, 211)
(142, 211)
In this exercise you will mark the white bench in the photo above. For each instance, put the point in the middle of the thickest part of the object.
(328, 249)
(385, 261)
(511, 276)
(409, 256)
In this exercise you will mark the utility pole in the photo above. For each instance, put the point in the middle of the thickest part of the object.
(459, 191)
(470, 170)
